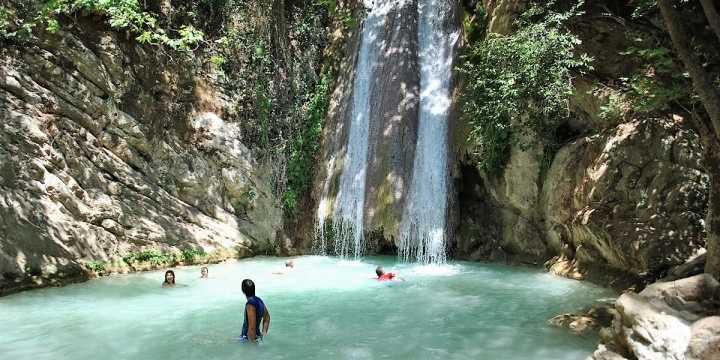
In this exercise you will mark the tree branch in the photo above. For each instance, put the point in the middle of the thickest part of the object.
(702, 81)
(712, 16)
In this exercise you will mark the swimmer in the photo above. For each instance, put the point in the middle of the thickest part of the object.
(387, 276)
(255, 311)
(204, 273)
(169, 279)
(289, 267)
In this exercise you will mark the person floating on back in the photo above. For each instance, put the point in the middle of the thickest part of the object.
(387, 276)
(255, 312)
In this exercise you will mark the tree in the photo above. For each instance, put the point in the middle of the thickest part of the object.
(703, 84)
(712, 15)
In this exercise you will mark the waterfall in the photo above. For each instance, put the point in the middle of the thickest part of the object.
(400, 92)
(423, 234)
(347, 221)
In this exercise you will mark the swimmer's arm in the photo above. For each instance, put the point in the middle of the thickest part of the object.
(397, 275)
(266, 321)
(252, 320)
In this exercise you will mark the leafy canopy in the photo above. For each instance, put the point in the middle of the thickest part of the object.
(519, 85)
(20, 18)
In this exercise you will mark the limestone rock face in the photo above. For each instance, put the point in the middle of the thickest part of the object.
(632, 199)
(625, 198)
(672, 320)
(106, 148)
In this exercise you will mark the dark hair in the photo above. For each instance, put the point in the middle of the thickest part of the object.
(248, 287)
(173, 274)
(379, 271)
(205, 267)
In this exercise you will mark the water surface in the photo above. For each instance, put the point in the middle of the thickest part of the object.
(326, 309)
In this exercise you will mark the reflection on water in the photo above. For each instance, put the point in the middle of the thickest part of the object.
(325, 309)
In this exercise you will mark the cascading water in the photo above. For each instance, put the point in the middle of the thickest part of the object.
(347, 221)
(398, 116)
(422, 234)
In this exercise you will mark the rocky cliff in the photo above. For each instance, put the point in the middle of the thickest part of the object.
(625, 197)
(112, 148)
(114, 151)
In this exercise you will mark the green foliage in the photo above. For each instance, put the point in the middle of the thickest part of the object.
(168, 182)
(475, 23)
(155, 257)
(343, 16)
(519, 85)
(271, 77)
(33, 270)
(218, 60)
(660, 81)
(644, 8)
(304, 146)
(263, 103)
(249, 194)
(152, 256)
(192, 254)
(611, 108)
(20, 18)
(95, 266)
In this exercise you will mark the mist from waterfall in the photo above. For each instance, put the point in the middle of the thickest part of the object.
(422, 232)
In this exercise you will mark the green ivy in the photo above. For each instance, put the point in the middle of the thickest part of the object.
(304, 146)
(519, 85)
(263, 103)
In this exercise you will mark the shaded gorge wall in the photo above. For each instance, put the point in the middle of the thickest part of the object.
(119, 156)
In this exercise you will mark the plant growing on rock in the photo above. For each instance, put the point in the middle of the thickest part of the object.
(19, 19)
(519, 85)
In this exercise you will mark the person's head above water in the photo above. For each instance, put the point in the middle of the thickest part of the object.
(289, 263)
(204, 272)
(379, 271)
(169, 277)
(248, 287)
(386, 276)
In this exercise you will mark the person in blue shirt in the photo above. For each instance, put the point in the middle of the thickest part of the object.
(255, 312)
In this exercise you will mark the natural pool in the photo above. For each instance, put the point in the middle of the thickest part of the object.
(326, 309)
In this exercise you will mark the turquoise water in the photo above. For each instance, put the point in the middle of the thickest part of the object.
(325, 309)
